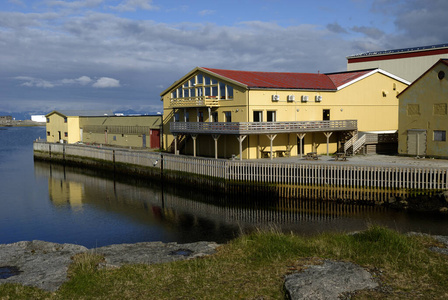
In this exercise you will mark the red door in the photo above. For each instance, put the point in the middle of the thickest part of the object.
(154, 138)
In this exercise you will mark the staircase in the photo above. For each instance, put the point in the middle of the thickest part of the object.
(355, 144)
(358, 142)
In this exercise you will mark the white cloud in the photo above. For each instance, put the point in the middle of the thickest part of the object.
(83, 80)
(106, 82)
(207, 12)
(17, 2)
(34, 82)
(132, 5)
(74, 4)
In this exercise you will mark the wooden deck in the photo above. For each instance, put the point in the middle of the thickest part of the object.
(247, 128)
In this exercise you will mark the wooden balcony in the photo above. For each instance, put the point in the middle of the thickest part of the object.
(240, 128)
(202, 101)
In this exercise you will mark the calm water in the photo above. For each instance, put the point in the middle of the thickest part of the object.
(67, 205)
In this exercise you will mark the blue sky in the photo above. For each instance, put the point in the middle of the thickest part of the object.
(120, 54)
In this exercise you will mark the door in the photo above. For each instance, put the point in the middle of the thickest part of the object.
(417, 142)
(154, 138)
(326, 115)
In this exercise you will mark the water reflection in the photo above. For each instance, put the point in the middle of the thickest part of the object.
(187, 215)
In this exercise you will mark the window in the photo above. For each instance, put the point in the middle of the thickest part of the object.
(215, 116)
(258, 116)
(271, 116)
(176, 117)
(66, 134)
(201, 85)
(48, 120)
(229, 92)
(201, 116)
(439, 135)
(115, 138)
(48, 133)
(214, 91)
(228, 116)
(222, 91)
(65, 120)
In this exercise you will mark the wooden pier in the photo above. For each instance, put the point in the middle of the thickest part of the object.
(295, 176)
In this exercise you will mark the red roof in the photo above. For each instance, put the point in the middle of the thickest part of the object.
(288, 80)
(345, 77)
(278, 79)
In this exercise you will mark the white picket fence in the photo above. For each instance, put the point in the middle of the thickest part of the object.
(265, 172)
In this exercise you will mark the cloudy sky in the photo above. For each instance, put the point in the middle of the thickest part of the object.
(120, 54)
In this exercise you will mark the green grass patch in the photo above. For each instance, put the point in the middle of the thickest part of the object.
(253, 266)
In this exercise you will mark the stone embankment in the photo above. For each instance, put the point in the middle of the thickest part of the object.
(44, 265)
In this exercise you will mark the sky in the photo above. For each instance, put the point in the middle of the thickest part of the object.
(121, 54)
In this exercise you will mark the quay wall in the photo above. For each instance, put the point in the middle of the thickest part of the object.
(285, 180)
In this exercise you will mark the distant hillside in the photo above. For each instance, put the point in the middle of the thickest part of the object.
(26, 115)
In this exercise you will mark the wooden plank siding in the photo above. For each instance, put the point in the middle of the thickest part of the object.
(295, 174)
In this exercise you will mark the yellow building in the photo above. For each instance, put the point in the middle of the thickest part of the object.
(225, 113)
(423, 118)
(103, 127)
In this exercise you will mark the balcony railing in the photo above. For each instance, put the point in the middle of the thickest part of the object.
(261, 127)
(202, 101)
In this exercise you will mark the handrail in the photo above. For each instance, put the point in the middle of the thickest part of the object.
(359, 143)
(261, 127)
(205, 101)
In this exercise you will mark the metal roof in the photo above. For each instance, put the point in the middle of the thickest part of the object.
(281, 80)
(396, 51)
(83, 113)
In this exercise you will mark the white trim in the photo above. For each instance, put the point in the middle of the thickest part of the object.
(394, 76)
(371, 73)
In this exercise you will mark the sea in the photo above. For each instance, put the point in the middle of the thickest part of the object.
(62, 204)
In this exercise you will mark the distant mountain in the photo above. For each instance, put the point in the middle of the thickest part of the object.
(130, 112)
(26, 115)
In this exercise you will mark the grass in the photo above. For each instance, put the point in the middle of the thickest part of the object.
(253, 267)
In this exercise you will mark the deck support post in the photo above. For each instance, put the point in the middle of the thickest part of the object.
(216, 137)
(240, 139)
(271, 137)
(301, 136)
(175, 143)
(194, 137)
(328, 134)
(209, 114)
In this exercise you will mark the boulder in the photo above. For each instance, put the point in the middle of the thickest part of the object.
(328, 281)
(44, 265)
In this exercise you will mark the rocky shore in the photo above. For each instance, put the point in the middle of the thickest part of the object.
(44, 265)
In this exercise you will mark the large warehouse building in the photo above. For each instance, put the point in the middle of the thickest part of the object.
(407, 63)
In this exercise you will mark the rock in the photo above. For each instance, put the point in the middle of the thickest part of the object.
(328, 281)
(44, 265)
(153, 252)
(38, 263)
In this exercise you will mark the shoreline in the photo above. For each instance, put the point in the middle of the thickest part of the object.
(24, 123)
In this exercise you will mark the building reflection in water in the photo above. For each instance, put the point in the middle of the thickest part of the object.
(192, 215)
